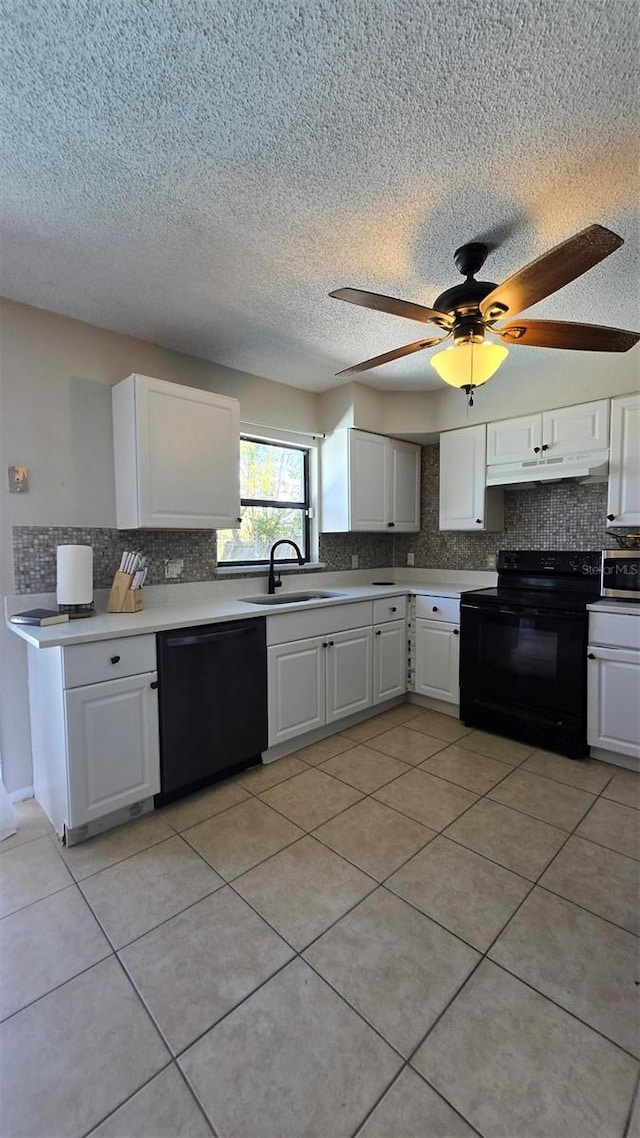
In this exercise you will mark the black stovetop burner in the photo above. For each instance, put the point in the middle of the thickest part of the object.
(553, 579)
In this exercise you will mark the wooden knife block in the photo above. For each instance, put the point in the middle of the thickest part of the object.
(122, 597)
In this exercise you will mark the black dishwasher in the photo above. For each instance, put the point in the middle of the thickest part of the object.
(213, 703)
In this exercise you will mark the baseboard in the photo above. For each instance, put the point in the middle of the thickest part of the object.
(21, 795)
(629, 762)
(426, 701)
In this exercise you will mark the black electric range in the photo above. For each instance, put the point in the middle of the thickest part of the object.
(523, 649)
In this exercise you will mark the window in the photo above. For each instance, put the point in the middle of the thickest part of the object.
(274, 494)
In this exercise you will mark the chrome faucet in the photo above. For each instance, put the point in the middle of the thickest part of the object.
(274, 578)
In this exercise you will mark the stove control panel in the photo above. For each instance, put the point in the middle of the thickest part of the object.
(560, 562)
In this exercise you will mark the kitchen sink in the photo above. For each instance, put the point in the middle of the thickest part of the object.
(290, 598)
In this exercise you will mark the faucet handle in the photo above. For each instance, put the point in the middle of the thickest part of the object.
(277, 581)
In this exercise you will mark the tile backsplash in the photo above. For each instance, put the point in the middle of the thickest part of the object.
(562, 515)
(34, 553)
(559, 515)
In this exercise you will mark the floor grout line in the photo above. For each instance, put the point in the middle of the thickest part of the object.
(298, 954)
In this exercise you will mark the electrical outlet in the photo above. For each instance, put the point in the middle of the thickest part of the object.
(18, 479)
(173, 568)
(354, 561)
(491, 561)
(411, 559)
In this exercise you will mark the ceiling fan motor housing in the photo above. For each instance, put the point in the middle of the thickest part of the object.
(463, 300)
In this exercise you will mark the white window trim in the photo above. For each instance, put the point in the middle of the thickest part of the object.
(312, 444)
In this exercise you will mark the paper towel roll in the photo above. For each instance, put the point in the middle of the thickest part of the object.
(74, 575)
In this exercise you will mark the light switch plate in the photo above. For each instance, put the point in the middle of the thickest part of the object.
(411, 558)
(354, 561)
(18, 479)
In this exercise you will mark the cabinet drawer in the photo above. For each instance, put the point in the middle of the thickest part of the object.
(615, 629)
(438, 608)
(108, 660)
(319, 622)
(389, 608)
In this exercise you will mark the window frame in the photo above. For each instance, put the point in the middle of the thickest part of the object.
(305, 506)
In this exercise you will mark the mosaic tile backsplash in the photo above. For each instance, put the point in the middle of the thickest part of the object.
(560, 515)
(564, 515)
(34, 553)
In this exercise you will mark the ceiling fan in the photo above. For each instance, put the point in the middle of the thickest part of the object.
(469, 310)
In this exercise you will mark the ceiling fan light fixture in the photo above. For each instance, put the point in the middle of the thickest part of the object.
(469, 365)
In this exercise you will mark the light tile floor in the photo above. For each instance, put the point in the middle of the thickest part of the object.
(409, 930)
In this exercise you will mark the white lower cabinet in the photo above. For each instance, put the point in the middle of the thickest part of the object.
(112, 739)
(94, 729)
(613, 716)
(389, 660)
(437, 660)
(317, 681)
(348, 673)
(296, 688)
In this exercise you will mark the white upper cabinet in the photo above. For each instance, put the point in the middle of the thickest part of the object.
(369, 483)
(576, 430)
(552, 434)
(405, 486)
(465, 502)
(514, 439)
(176, 452)
(623, 505)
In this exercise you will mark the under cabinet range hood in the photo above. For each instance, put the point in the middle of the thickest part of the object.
(591, 467)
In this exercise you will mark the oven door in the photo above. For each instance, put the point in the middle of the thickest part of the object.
(523, 673)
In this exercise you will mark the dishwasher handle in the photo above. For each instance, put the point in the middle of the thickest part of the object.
(208, 637)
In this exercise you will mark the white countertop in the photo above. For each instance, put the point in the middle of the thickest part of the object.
(181, 606)
(612, 604)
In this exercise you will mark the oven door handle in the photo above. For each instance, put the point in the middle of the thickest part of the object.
(504, 610)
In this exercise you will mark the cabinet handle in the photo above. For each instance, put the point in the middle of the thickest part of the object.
(393, 608)
(536, 450)
(591, 656)
(478, 521)
(153, 684)
(434, 609)
(610, 517)
(545, 446)
(456, 632)
(391, 524)
(377, 632)
(325, 645)
(331, 643)
(114, 659)
(238, 520)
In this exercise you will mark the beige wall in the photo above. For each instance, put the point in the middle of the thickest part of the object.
(55, 418)
(553, 379)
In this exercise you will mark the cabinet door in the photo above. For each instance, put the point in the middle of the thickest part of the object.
(389, 660)
(437, 648)
(613, 710)
(188, 456)
(576, 430)
(404, 462)
(514, 440)
(368, 481)
(464, 501)
(112, 740)
(349, 673)
(623, 506)
(296, 680)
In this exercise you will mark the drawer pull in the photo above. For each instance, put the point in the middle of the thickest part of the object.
(393, 608)
(378, 633)
(391, 524)
(610, 517)
(478, 521)
(456, 632)
(153, 684)
(434, 609)
(324, 644)
(536, 450)
(591, 656)
(331, 643)
(114, 659)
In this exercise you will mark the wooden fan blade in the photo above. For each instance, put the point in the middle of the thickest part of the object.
(563, 334)
(396, 307)
(548, 273)
(387, 357)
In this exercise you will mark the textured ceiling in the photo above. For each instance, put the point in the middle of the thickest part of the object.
(201, 174)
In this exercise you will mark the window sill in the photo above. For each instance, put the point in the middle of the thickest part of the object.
(222, 571)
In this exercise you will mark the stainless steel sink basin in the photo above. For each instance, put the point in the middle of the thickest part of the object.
(290, 598)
